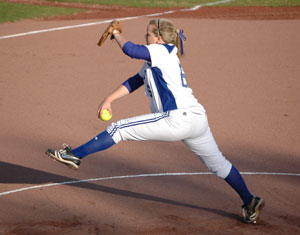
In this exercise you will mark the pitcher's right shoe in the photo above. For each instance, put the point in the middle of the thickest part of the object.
(64, 156)
(252, 211)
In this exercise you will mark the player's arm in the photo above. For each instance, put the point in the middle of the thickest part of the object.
(134, 82)
(129, 86)
(132, 50)
(119, 38)
(116, 94)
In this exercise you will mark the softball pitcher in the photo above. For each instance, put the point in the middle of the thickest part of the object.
(176, 115)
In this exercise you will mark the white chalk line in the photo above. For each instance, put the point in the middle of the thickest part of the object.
(137, 176)
(108, 21)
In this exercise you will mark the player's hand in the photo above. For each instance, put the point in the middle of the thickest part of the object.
(105, 104)
(116, 94)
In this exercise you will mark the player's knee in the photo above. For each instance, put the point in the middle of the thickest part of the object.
(221, 170)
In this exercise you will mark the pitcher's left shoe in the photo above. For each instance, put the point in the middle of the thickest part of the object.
(64, 156)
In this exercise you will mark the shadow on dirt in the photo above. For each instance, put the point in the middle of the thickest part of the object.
(15, 174)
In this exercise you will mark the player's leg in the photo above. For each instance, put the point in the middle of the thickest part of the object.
(99, 143)
(72, 157)
(205, 147)
(154, 126)
(168, 126)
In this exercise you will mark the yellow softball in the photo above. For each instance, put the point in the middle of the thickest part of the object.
(105, 116)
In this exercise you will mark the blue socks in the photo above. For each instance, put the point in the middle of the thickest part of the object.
(235, 180)
(99, 143)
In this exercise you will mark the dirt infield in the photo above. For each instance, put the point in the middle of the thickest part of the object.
(244, 70)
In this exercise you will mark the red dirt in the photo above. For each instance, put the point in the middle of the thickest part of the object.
(244, 70)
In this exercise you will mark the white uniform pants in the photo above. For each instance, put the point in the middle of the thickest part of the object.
(182, 124)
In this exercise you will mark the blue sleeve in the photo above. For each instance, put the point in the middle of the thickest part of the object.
(133, 83)
(136, 51)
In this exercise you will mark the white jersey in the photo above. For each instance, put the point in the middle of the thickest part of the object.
(165, 82)
(176, 114)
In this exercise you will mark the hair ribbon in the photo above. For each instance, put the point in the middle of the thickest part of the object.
(182, 38)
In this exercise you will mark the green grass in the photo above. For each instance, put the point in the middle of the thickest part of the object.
(142, 3)
(269, 3)
(186, 3)
(14, 12)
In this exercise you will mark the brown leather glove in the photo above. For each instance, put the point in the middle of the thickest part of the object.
(114, 25)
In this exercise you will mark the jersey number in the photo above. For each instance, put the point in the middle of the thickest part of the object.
(183, 78)
(149, 92)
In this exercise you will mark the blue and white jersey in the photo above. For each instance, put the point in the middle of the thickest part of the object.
(165, 81)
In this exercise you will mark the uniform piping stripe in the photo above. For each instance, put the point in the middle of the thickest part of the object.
(140, 122)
